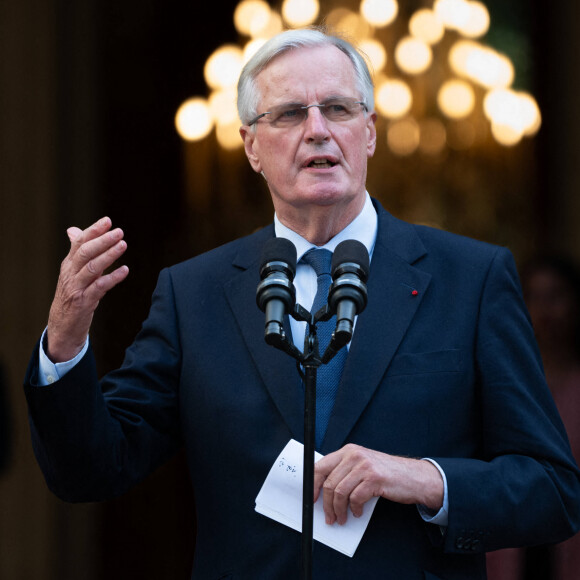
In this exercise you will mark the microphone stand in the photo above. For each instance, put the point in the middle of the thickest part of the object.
(310, 360)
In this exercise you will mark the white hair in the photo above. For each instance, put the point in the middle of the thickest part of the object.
(248, 93)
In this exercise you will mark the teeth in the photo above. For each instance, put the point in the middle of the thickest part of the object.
(321, 163)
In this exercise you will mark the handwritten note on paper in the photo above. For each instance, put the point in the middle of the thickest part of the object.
(281, 499)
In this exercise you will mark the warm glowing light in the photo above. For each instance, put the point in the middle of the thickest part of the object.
(300, 12)
(251, 17)
(511, 115)
(518, 111)
(376, 53)
(500, 105)
(426, 26)
(506, 135)
(393, 98)
(349, 23)
(477, 23)
(413, 55)
(228, 136)
(453, 13)
(433, 136)
(223, 67)
(456, 99)
(379, 13)
(403, 137)
(274, 26)
(222, 106)
(532, 118)
(481, 64)
(193, 119)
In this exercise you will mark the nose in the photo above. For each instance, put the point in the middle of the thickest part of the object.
(316, 126)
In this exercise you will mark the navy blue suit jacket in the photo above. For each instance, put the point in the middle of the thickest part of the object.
(450, 372)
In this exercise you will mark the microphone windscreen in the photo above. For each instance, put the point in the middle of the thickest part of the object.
(351, 251)
(279, 250)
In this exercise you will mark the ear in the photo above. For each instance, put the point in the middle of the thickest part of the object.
(249, 136)
(371, 134)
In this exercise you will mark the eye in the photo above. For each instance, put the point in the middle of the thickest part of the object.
(289, 114)
(336, 107)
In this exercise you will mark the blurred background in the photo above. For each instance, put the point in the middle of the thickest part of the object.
(102, 109)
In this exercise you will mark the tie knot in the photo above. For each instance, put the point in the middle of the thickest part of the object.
(319, 259)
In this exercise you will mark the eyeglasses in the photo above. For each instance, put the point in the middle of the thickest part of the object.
(337, 110)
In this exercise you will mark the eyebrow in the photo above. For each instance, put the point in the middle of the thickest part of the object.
(301, 103)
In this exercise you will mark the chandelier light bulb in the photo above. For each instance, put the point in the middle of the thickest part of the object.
(453, 13)
(228, 136)
(222, 106)
(456, 99)
(251, 17)
(376, 53)
(481, 64)
(223, 67)
(518, 110)
(477, 22)
(413, 56)
(379, 13)
(300, 12)
(193, 119)
(511, 115)
(425, 25)
(393, 98)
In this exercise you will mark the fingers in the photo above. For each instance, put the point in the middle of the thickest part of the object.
(92, 252)
(353, 475)
(94, 257)
(82, 284)
(347, 478)
(332, 474)
(73, 233)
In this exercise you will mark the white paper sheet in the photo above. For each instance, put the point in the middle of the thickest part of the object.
(281, 499)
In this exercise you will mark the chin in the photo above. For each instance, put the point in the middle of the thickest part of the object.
(328, 194)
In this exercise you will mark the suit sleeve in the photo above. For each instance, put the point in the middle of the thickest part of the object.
(94, 440)
(524, 487)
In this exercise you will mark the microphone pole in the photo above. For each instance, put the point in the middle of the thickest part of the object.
(276, 296)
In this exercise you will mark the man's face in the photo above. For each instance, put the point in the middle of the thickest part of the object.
(287, 156)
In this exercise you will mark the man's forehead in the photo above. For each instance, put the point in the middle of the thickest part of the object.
(311, 68)
(301, 55)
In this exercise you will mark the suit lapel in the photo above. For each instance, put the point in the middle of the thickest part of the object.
(277, 369)
(391, 307)
(392, 304)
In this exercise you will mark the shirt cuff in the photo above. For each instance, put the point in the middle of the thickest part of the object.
(50, 372)
(441, 517)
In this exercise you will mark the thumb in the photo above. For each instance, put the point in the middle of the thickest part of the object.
(73, 233)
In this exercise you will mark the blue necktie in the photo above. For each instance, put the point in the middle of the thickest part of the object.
(328, 375)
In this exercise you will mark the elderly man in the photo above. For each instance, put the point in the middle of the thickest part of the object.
(441, 409)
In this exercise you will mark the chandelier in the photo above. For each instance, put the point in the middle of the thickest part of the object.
(436, 82)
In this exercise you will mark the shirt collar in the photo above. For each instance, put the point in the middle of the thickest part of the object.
(363, 228)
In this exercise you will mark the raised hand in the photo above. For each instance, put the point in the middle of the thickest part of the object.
(81, 285)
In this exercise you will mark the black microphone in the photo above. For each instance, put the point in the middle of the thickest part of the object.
(347, 296)
(276, 295)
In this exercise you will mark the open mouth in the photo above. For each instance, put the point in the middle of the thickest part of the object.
(321, 164)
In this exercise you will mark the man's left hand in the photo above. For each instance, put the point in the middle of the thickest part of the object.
(353, 475)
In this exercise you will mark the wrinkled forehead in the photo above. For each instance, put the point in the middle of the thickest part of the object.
(307, 73)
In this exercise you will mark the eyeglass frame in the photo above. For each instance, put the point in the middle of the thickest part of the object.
(320, 106)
